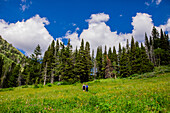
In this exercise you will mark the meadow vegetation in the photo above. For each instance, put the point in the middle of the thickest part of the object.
(135, 94)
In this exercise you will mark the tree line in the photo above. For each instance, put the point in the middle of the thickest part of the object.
(60, 63)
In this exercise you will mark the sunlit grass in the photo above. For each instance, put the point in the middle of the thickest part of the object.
(109, 95)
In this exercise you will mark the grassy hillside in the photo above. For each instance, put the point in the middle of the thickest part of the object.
(109, 95)
(9, 51)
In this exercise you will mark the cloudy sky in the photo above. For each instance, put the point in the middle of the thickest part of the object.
(26, 23)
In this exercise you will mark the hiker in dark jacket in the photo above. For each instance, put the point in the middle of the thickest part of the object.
(83, 87)
(87, 87)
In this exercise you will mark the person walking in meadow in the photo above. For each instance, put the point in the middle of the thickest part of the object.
(87, 87)
(83, 87)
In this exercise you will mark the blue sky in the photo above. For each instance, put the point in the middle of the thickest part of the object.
(64, 16)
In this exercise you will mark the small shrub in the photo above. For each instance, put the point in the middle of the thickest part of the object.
(40, 86)
(7, 89)
(25, 86)
(36, 86)
(149, 75)
(49, 85)
(134, 75)
(97, 81)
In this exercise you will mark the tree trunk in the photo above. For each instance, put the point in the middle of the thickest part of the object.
(52, 76)
(59, 78)
(45, 74)
(19, 79)
(94, 70)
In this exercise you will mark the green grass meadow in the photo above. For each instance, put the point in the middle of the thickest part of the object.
(106, 95)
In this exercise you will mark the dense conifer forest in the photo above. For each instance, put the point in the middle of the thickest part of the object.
(61, 63)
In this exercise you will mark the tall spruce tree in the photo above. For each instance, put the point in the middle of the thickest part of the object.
(76, 64)
(88, 63)
(146, 65)
(119, 53)
(147, 45)
(132, 56)
(68, 74)
(81, 63)
(1, 65)
(110, 55)
(137, 59)
(124, 64)
(115, 59)
(99, 59)
(37, 51)
(155, 37)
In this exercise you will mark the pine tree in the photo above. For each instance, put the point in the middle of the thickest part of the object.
(132, 56)
(115, 55)
(110, 55)
(137, 59)
(108, 69)
(123, 64)
(81, 63)
(146, 65)
(14, 75)
(163, 56)
(155, 37)
(147, 45)
(119, 53)
(68, 74)
(8, 79)
(37, 51)
(99, 60)
(104, 62)
(1, 65)
(57, 61)
(45, 65)
(76, 64)
(52, 61)
(128, 58)
(158, 54)
(93, 65)
(88, 63)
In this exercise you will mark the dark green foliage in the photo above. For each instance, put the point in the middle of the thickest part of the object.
(9, 80)
(14, 75)
(119, 53)
(124, 64)
(146, 64)
(37, 51)
(138, 58)
(99, 59)
(133, 57)
(115, 55)
(68, 74)
(110, 55)
(59, 63)
(88, 62)
(1, 65)
(155, 37)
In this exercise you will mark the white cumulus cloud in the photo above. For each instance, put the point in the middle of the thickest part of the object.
(97, 18)
(165, 27)
(141, 23)
(99, 33)
(26, 35)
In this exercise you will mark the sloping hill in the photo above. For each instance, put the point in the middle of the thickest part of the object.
(9, 51)
(10, 60)
(108, 95)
